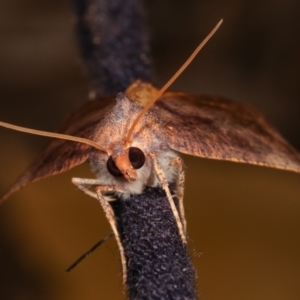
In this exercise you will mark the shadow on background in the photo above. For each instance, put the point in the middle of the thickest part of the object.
(243, 221)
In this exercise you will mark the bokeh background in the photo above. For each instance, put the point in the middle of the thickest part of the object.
(243, 221)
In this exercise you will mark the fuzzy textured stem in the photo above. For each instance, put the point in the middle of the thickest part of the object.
(158, 263)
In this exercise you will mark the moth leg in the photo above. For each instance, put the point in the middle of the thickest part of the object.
(110, 216)
(84, 185)
(162, 179)
(178, 163)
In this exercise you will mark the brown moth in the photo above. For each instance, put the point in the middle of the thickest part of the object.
(134, 142)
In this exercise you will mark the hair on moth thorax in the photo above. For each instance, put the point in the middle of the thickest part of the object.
(131, 158)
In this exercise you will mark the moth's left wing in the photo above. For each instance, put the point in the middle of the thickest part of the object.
(218, 128)
(60, 155)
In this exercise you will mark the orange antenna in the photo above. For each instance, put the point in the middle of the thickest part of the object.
(54, 135)
(173, 78)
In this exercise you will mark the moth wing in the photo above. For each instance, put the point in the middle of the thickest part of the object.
(218, 128)
(60, 155)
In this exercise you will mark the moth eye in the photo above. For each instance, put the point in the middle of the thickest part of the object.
(136, 157)
(112, 168)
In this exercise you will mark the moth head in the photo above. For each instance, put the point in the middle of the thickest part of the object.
(126, 164)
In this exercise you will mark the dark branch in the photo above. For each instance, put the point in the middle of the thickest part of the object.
(113, 43)
(89, 252)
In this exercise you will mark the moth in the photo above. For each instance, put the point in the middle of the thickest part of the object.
(134, 141)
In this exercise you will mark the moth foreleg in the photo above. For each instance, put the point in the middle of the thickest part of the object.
(84, 184)
(178, 163)
(163, 181)
(110, 216)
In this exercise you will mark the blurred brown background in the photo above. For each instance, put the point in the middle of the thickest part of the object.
(243, 221)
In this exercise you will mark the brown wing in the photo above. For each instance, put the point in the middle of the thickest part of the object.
(60, 156)
(218, 128)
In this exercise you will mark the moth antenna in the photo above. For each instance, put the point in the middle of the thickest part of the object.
(173, 78)
(53, 135)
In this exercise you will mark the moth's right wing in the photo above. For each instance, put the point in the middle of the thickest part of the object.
(60, 155)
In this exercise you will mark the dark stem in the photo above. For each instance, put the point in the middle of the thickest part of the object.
(158, 263)
(113, 43)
